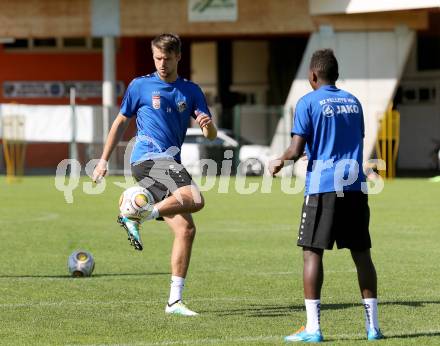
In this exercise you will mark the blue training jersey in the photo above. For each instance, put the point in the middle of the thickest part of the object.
(163, 112)
(332, 122)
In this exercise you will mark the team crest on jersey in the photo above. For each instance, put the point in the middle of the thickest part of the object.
(155, 101)
(328, 111)
(181, 106)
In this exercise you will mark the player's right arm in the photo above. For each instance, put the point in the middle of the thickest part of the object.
(129, 107)
(114, 136)
(292, 153)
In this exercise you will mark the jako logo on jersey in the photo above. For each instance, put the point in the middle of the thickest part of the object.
(155, 100)
(328, 111)
(347, 109)
(181, 106)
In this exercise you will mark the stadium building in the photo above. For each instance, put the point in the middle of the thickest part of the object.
(249, 56)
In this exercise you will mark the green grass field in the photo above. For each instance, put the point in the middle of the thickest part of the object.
(244, 279)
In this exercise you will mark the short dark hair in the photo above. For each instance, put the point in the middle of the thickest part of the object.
(325, 65)
(168, 43)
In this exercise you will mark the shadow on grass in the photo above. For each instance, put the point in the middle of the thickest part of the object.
(256, 310)
(412, 335)
(387, 336)
(413, 304)
(69, 277)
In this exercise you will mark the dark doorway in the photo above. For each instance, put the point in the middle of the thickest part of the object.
(286, 54)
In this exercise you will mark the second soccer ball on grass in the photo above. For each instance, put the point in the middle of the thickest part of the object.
(80, 263)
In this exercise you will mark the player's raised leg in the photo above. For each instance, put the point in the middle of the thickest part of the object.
(184, 231)
(185, 200)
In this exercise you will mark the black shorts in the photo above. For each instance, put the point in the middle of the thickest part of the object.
(326, 218)
(161, 176)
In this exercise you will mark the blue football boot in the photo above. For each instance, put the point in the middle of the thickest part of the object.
(303, 336)
(132, 228)
(374, 334)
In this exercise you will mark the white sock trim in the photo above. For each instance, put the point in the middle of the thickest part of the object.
(154, 214)
(313, 309)
(371, 318)
(176, 289)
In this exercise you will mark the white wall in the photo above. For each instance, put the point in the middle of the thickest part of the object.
(53, 123)
(321, 7)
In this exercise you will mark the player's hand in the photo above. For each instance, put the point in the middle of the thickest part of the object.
(100, 171)
(202, 119)
(275, 166)
(304, 157)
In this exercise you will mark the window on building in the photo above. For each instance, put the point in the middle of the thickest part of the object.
(416, 93)
(44, 42)
(97, 43)
(19, 43)
(53, 43)
(74, 42)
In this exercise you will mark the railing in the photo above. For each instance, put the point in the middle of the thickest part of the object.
(387, 143)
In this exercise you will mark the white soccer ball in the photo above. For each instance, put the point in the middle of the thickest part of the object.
(80, 263)
(136, 203)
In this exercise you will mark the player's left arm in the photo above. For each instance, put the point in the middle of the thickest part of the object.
(202, 115)
(205, 122)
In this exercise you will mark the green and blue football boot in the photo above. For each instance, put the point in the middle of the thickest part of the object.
(303, 336)
(132, 228)
(374, 334)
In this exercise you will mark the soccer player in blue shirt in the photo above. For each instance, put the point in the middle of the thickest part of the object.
(329, 125)
(162, 104)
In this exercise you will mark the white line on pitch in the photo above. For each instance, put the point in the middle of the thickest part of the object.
(140, 302)
(203, 341)
(244, 339)
(42, 217)
(160, 301)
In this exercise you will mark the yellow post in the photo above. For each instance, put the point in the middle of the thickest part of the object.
(14, 146)
(396, 131)
(387, 144)
(390, 143)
